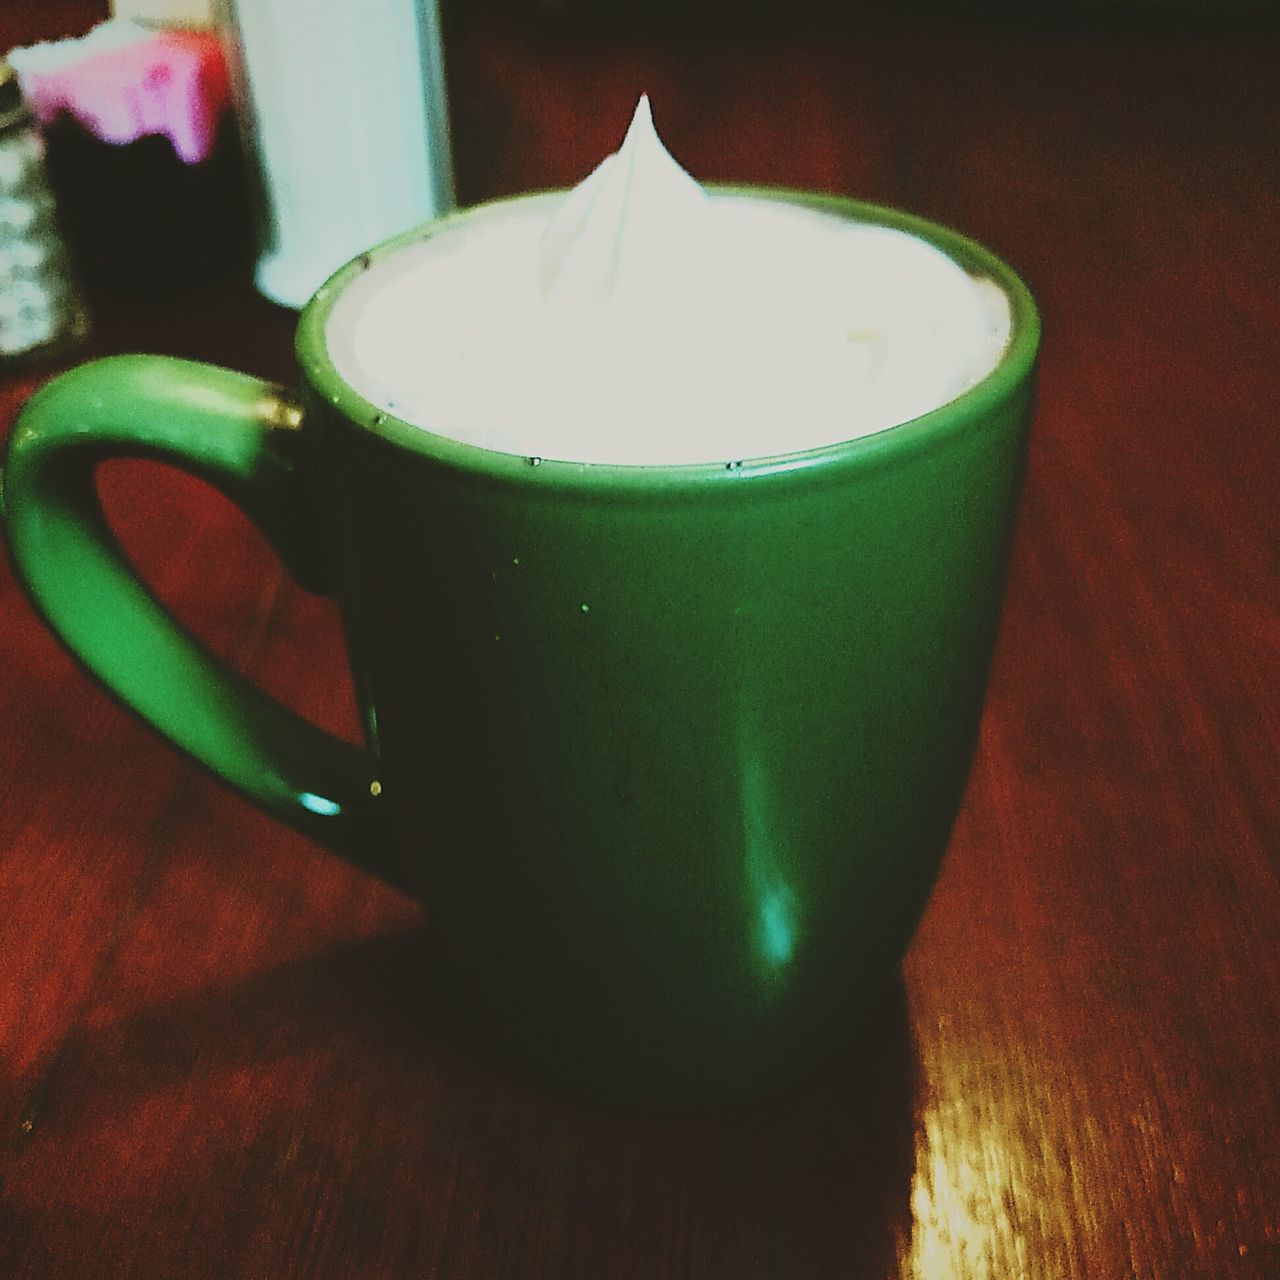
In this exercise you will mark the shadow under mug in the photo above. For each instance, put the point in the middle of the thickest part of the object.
(670, 753)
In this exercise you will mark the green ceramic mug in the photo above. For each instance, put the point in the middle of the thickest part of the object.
(670, 753)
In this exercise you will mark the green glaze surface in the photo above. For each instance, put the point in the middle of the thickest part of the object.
(670, 754)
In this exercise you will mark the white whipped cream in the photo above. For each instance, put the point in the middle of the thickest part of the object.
(641, 320)
(632, 234)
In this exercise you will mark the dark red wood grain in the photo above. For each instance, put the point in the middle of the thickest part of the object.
(213, 1061)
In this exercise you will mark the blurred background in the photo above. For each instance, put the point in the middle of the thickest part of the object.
(205, 1067)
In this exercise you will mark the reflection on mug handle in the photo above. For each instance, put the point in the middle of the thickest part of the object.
(241, 435)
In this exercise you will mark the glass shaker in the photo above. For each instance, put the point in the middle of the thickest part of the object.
(41, 311)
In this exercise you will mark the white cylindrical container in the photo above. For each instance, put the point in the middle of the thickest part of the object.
(343, 107)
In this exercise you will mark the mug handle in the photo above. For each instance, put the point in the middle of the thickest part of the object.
(242, 435)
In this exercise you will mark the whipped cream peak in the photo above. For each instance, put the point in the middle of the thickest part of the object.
(632, 229)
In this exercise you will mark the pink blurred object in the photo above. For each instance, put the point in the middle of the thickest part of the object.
(131, 83)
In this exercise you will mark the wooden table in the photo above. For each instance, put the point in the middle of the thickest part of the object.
(211, 1063)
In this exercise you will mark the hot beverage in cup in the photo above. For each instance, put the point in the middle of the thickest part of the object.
(669, 532)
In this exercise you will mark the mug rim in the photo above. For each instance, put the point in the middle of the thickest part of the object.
(926, 431)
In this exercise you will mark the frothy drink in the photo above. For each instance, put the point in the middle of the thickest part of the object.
(642, 320)
(671, 751)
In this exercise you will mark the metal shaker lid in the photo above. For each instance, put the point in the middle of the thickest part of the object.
(13, 111)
